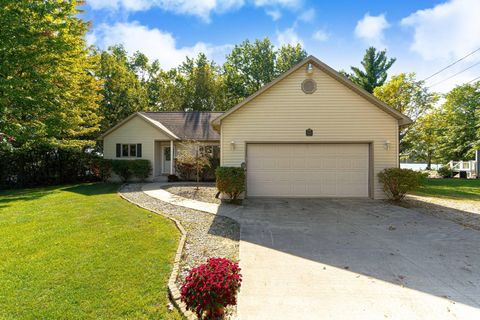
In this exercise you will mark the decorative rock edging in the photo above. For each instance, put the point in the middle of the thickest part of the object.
(173, 290)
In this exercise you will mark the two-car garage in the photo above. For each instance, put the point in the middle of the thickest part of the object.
(308, 170)
(311, 133)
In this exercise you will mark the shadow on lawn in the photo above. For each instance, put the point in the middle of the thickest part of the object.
(94, 189)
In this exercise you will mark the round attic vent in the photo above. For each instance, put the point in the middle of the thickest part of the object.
(309, 86)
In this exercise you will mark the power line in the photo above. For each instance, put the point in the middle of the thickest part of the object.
(452, 64)
(477, 78)
(456, 74)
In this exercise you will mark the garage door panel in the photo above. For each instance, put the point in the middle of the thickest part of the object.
(307, 170)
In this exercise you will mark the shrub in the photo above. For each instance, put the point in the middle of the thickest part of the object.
(231, 181)
(126, 169)
(46, 163)
(102, 168)
(445, 172)
(172, 178)
(208, 173)
(122, 169)
(141, 169)
(211, 287)
(185, 170)
(398, 182)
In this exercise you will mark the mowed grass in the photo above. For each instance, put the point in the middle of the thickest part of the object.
(457, 189)
(82, 252)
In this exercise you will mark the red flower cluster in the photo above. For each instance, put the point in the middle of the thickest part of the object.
(211, 286)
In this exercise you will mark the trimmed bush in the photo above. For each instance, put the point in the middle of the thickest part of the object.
(212, 286)
(102, 168)
(127, 169)
(231, 181)
(398, 182)
(45, 163)
(141, 169)
(122, 169)
(445, 172)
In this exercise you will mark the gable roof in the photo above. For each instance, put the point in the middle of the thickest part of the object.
(177, 125)
(193, 125)
(402, 119)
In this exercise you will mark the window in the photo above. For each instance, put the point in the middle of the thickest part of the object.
(124, 150)
(133, 150)
(212, 151)
(129, 150)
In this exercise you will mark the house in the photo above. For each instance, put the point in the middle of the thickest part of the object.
(157, 136)
(309, 133)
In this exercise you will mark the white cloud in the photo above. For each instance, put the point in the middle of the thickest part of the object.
(288, 36)
(154, 43)
(370, 29)
(321, 35)
(307, 16)
(275, 14)
(446, 31)
(199, 8)
(283, 3)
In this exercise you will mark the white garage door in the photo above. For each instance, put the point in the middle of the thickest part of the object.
(307, 170)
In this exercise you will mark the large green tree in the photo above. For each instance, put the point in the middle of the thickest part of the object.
(288, 56)
(460, 116)
(423, 139)
(375, 66)
(123, 92)
(251, 65)
(409, 96)
(203, 87)
(48, 90)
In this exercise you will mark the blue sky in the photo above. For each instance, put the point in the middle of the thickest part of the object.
(424, 35)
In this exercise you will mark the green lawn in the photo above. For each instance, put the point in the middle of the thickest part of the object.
(458, 189)
(81, 252)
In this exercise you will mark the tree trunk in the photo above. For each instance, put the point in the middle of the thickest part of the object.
(429, 161)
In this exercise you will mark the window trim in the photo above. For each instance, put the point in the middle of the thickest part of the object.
(129, 147)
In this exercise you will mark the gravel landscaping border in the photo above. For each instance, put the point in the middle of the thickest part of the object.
(464, 213)
(206, 235)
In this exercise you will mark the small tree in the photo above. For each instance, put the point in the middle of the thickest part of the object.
(191, 155)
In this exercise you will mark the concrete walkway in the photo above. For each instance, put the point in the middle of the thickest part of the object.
(155, 190)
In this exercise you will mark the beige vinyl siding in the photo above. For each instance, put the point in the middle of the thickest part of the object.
(136, 130)
(334, 112)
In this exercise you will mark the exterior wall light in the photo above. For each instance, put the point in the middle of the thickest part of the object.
(387, 144)
(232, 145)
(309, 69)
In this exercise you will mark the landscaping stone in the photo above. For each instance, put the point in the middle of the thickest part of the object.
(465, 213)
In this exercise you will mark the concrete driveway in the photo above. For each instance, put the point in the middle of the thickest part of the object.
(355, 259)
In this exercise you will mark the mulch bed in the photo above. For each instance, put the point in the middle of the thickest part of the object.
(202, 192)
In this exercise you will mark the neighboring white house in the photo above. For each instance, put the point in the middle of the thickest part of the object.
(309, 133)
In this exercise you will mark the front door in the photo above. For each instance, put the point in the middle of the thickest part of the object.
(167, 159)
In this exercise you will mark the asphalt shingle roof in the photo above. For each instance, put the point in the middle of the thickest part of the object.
(187, 125)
